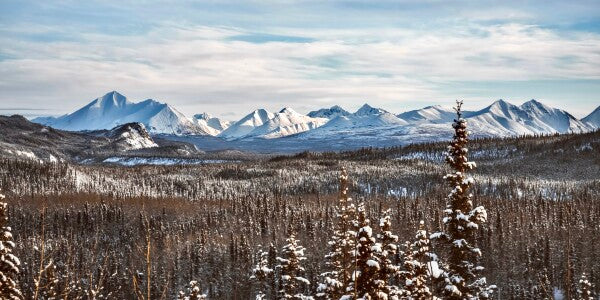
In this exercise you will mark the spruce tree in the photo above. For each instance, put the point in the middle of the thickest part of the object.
(387, 252)
(407, 270)
(262, 275)
(293, 284)
(9, 263)
(367, 263)
(421, 266)
(462, 222)
(584, 291)
(340, 259)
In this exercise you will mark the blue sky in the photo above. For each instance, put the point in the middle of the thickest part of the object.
(230, 57)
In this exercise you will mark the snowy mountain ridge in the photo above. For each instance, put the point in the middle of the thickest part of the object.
(501, 118)
(114, 109)
(247, 124)
(593, 119)
(211, 125)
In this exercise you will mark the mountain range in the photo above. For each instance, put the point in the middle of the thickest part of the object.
(367, 125)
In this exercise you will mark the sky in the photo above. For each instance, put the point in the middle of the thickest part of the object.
(228, 58)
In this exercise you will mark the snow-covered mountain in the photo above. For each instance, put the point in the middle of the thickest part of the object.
(247, 124)
(212, 125)
(114, 109)
(368, 125)
(532, 117)
(131, 136)
(373, 126)
(329, 113)
(429, 114)
(593, 119)
(364, 119)
(284, 123)
(368, 110)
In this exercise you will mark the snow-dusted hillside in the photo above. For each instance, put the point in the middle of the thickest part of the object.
(247, 124)
(114, 109)
(131, 136)
(593, 119)
(284, 123)
(211, 125)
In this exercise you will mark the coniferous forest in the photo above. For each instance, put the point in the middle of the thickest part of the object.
(511, 218)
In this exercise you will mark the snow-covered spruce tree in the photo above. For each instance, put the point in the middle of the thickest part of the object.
(262, 275)
(584, 291)
(365, 277)
(386, 250)
(421, 266)
(340, 259)
(461, 222)
(9, 263)
(293, 284)
(193, 292)
(407, 272)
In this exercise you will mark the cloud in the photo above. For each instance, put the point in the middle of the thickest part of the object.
(225, 69)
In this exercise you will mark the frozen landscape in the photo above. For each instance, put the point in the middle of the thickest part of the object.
(300, 150)
(288, 131)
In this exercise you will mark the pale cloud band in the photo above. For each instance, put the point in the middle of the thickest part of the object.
(203, 66)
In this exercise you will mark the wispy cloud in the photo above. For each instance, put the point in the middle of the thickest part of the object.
(239, 63)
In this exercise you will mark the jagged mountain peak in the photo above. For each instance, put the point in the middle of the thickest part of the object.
(284, 123)
(110, 100)
(536, 106)
(329, 113)
(211, 124)
(593, 119)
(203, 116)
(367, 109)
(247, 124)
(114, 109)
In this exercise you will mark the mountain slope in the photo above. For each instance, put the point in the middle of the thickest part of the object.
(247, 124)
(284, 123)
(367, 118)
(131, 136)
(114, 109)
(593, 119)
(532, 117)
(329, 113)
(429, 114)
(210, 124)
(25, 139)
(558, 120)
(368, 110)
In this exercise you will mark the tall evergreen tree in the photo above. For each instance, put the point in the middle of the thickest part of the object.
(9, 263)
(421, 267)
(462, 221)
(293, 284)
(365, 285)
(387, 252)
(262, 275)
(340, 259)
